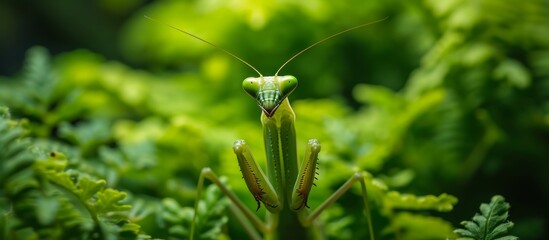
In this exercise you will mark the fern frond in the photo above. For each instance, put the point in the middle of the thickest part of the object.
(52, 201)
(101, 203)
(490, 224)
(15, 160)
(33, 94)
(211, 213)
(210, 220)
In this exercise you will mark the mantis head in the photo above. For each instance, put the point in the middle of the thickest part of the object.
(269, 92)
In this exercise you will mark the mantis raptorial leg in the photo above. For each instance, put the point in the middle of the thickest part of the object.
(285, 188)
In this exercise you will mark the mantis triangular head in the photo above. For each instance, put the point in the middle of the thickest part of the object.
(269, 92)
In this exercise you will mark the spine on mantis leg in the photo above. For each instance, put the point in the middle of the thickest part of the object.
(255, 179)
(306, 177)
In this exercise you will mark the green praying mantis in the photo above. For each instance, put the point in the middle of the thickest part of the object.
(285, 188)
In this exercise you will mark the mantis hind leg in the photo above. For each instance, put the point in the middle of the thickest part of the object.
(244, 215)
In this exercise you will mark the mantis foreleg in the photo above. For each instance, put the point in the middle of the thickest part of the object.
(305, 181)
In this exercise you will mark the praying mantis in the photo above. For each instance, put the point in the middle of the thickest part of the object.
(284, 190)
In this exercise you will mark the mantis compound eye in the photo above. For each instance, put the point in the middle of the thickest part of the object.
(287, 85)
(251, 86)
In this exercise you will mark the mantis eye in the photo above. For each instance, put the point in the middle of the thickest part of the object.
(251, 86)
(287, 85)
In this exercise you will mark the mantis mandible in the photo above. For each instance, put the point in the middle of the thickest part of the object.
(285, 188)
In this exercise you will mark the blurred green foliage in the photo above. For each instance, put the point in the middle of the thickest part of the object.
(444, 97)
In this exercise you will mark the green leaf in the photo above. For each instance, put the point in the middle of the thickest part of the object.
(34, 94)
(83, 195)
(87, 188)
(108, 201)
(87, 135)
(142, 154)
(490, 224)
(53, 169)
(513, 72)
(210, 217)
(441, 203)
(4, 112)
(14, 156)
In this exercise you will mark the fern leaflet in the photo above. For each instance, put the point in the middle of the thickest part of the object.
(491, 224)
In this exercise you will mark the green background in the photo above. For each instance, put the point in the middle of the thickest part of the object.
(442, 97)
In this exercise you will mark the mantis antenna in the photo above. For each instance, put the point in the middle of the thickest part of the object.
(209, 43)
(327, 38)
(249, 65)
